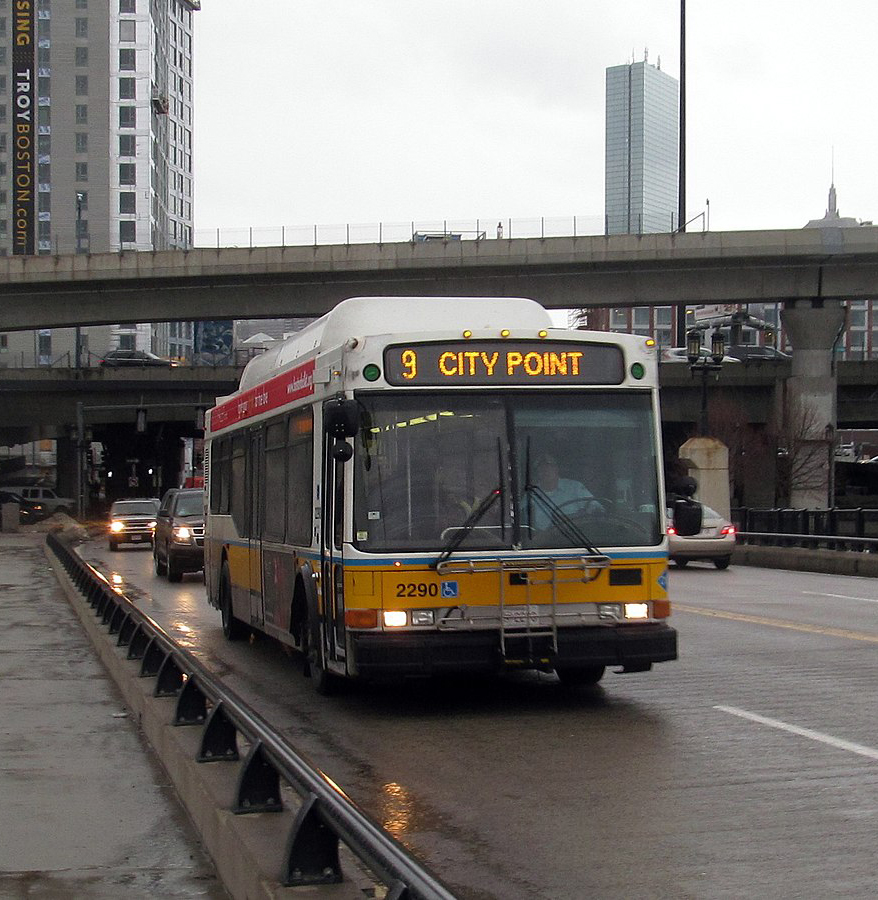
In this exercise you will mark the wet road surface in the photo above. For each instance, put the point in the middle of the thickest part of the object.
(747, 768)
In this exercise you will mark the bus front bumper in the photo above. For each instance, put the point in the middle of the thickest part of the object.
(388, 655)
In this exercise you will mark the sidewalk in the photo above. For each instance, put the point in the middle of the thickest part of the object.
(86, 810)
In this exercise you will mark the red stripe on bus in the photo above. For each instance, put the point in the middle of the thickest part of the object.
(277, 391)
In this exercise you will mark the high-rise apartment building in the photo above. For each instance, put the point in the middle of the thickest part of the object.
(642, 149)
(96, 134)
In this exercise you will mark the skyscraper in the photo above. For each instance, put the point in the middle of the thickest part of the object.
(96, 133)
(642, 149)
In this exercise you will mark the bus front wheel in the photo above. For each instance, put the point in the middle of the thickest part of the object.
(234, 629)
(580, 675)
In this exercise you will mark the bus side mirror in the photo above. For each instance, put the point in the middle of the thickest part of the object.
(687, 516)
(342, 451)
(341, 417)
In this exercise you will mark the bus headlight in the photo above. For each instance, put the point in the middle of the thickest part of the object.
(610, 610)
(423, 617)
(636, 610)
(395, 618)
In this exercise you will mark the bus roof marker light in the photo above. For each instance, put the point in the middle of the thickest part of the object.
(467, 334)
(504, 333)
(543, 333)
(649, 342)
(371, 372)
(638, 370)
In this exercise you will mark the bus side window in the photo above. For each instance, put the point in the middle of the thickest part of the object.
(300, 469)
(239, 506)
(274, 511)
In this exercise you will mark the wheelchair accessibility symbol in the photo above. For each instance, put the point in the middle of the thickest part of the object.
(449, 590)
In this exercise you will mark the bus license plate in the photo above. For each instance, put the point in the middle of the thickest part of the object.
(521, 615)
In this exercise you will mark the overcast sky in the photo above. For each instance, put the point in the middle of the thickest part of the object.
(360, 111)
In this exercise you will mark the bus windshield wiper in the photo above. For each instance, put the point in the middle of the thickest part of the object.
(560, 520)
(472, 520)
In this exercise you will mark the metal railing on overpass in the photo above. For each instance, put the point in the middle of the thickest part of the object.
(400, 232)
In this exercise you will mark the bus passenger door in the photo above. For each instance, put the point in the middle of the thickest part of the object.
(256, 487)
(332, 562)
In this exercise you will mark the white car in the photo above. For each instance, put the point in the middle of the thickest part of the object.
(714, 542)
(46, 497)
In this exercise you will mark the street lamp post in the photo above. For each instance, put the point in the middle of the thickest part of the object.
(699, 362)
(80, 197)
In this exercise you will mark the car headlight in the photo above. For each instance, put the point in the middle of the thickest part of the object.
(182, 533)
(116, 526)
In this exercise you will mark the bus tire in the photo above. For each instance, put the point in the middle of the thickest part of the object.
(325, 683)
(578, 676)
(233, 629)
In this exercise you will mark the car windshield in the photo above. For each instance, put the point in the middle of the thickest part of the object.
(133, 508)
(524, 469)
(190, 504)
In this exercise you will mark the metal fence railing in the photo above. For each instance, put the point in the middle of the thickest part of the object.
(326, 815)
(835, 528)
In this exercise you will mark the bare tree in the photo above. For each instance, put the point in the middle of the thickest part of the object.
(802, 452)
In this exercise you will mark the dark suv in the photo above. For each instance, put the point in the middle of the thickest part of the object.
(132, 521)
(179, 533)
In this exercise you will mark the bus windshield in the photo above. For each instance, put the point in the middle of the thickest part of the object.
(503, 470)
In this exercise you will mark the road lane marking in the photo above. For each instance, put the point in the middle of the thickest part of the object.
(840, 596)
(838, 743)
(778, 623)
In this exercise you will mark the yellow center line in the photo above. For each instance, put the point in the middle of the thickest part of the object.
(778, 623)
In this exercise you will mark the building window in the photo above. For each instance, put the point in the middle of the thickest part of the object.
(81, 85)
(127, 116)
(44, 230)
(81, 171)
(81, 201)
(81, 114)
(127, 173)
(127, 145)
(81, 56)
(44, 202)
(127, 89)
(127, 60)
(128, 30)
(127, 202)
(81, 28)
(127, 232)
(127, 6)
(81, 142)
(82, 4)
(44, 115)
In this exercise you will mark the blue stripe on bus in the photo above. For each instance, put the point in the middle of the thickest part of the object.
(427, 560)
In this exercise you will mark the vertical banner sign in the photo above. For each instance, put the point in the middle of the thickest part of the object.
(24, 85)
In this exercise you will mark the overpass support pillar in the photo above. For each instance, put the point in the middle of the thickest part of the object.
(808, 412)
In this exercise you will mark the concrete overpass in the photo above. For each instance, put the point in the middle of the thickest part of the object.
(620, 270)
(43, 402)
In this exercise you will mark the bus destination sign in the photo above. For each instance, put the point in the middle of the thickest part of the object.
(503, 362)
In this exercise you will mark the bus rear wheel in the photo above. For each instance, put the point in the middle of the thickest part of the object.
(234, 629)
(576, 676)
(324, 682)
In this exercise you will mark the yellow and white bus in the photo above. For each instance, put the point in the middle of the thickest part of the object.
(421, 485)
